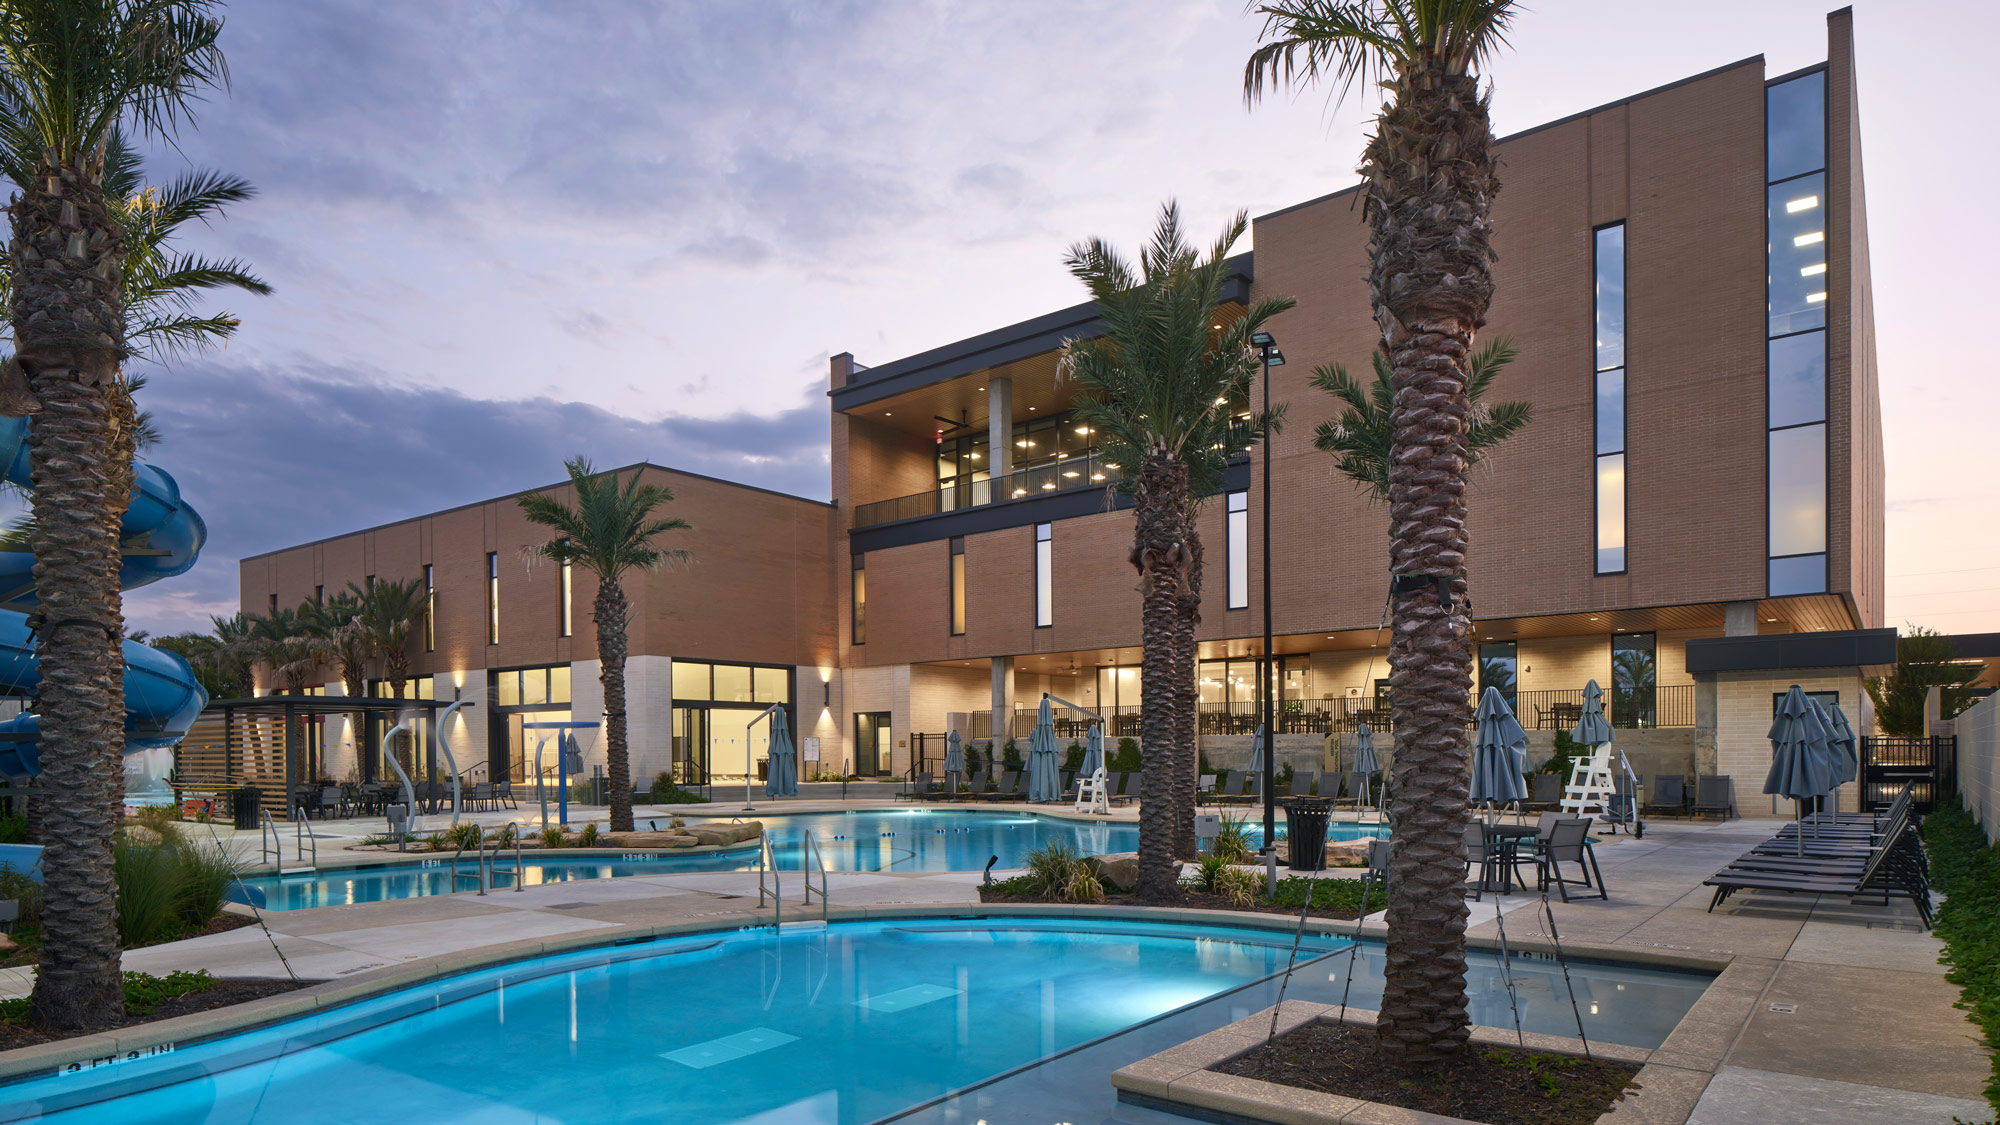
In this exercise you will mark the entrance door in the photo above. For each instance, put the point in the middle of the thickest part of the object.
(691, 746)
(874, 744)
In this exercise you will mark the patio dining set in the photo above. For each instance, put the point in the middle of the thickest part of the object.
(331, 800)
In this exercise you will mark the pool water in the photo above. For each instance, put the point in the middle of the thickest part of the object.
(839, 1024)
(871, 840)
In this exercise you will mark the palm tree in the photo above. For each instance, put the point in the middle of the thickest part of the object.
(1430, 178)
(1360, 439)
(71, 72)
(235, 653)
(610, 532)
(1167, 387)
(281, 642)
(389, 612)
(336, 623)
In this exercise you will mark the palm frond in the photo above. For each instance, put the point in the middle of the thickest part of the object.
(1360, 437)
(1341, 42)
(611, 528)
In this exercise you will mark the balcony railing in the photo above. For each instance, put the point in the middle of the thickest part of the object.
(1067, 475)
(1671, 706)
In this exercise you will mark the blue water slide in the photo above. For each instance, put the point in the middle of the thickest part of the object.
(161, 538)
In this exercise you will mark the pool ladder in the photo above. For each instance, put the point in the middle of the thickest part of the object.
(271, 845)
(770, 882)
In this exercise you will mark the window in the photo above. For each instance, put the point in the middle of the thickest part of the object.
(1610, 391)
(957, 608)
(1499, 664)
(860, 607)
(1044, 584)
(1238, 550)
(368, 583)
(492, 598)
(562, 607)
(1795, 221)
(274, 605)
(319, 595)
(430, 616)
(1634, 680)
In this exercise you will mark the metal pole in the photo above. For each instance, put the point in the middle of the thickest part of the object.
(1264, 681)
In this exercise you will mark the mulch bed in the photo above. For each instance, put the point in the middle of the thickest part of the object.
(221, 995)
(1189, 900)
(1498, 1085)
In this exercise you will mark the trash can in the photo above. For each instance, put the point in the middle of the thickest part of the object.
(1305, 820)
(247, 803)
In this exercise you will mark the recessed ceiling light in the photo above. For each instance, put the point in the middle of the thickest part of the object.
(888, 414)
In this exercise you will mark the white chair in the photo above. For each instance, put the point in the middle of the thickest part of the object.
(1092, 795)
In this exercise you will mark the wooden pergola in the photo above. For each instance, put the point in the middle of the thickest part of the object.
(248, 742)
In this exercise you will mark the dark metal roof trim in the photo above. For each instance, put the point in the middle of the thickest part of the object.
(1849, 648)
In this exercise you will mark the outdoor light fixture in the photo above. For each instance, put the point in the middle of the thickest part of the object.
(1277, 359)
(1261, 339)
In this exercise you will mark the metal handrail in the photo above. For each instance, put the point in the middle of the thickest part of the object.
(505, 833)
(300, 827)
(768, 863)
(274, 849)
(479, 853)
(812, 856)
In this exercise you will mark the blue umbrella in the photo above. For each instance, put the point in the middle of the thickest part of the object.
(1257, 757)
(1093, 749)
(1591, 727)
(1364, 751)
(1044, 784)
(1499, 753)
(782, 778)
(954, 759)
(1801, 756)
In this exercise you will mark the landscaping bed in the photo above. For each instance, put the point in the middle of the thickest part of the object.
(1056, 874)
(147, 998)
(1496, 1085)
(1966, 867)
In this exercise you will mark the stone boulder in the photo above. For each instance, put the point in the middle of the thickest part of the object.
(1118, 871)
(1347, 853)
(718, 835)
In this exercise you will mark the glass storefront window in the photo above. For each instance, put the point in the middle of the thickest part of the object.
(732, 684)
(1634, 680)
(773, 685)
(690, 679)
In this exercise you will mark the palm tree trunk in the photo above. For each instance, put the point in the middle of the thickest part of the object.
(1186, 660)
(1430, 181)
(610, 612)
(69, 329)
(1160, 551)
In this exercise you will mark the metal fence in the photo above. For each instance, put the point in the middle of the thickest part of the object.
(1670, 706)
(1066, 475)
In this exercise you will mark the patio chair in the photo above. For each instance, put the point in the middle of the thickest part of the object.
(1898, 867)
(1306, 784)
(1569, 842)
(1007, 789)
(920, 784)
(1129, 789)
(1712, 796)
(1235, 790)
(1482, 851)
(1548, 791)
(329, 802)
(1669, 796)
(1204, 789)
(1354, 791)
(975, 786)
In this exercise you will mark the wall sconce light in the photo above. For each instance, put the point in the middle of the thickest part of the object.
(827, 700)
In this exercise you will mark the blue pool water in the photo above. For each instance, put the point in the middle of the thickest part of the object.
(840, 1024)
(870, 840)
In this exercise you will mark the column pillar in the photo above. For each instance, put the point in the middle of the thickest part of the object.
(1739, 619)
(999, 429)
(1707, 759)
(1003, 700)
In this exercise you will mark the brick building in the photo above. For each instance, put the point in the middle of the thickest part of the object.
(1685, 273)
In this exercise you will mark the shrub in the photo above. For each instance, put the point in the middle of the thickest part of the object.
(1232, 840)
(25, 891)
(463, 835)
(440, 842)
(1126, 760)
(503, 837)
(149, 891)
(1564, 757)
(971, 757)
(1073, 758)
(1967, 869)
(1011, 755)
(1084, 885)
(552, 837)
(1053, 869)
(1207, 872)
(13, 828)
(1237, 885)
(206, 874)
(1284, 777)
(1328, 894)
(588, 837)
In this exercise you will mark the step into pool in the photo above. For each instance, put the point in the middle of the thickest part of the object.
(871, 840)
(816, 1024)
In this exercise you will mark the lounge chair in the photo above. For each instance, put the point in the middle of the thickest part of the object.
(1354, 791)
(1669, 796)
(1569, 842)
(1306, 784)
(975, 786)
(1548, 791)
(1128, 790)
(1005, 789)
(1892, 869)
(1235, 790)
(1713, 796)
(1204, 789)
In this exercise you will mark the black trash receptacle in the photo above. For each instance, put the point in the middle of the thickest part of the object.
(245, 805)
(1305, 832)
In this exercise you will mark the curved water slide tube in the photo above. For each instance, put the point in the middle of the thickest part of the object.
(162, 537)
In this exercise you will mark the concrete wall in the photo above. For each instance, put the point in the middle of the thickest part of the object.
(1978, 764)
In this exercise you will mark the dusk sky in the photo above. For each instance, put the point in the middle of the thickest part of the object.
(505, 233)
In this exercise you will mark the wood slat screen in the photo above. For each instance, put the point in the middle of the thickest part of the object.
(220, 755)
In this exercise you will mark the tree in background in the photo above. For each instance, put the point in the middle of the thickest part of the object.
(1430, 177)
(1360, 439)
(610, 533)
(72, 72)
(389, 613)
(1167, 389)
(1925, 659)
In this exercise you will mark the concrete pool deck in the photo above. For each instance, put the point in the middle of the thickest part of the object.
(1849, 1020)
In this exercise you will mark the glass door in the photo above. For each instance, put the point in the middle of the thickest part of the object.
(874, 745)
(691, 746)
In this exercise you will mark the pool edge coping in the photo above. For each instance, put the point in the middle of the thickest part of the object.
(46, 1060)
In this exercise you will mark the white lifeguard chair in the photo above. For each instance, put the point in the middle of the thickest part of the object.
(1091, 796)
(1590, 787)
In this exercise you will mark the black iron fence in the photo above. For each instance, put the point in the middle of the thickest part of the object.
(1888, 764)
(1067, 475)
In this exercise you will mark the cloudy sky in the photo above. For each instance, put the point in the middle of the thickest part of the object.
(502, 233)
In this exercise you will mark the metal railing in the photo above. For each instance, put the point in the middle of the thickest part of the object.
(767, 864)
(505, 834)
(271, 845)
(1085, 470)
(811, 861)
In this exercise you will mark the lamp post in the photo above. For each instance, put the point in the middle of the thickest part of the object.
(1267, 347)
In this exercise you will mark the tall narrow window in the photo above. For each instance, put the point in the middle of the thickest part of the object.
(430, 615)
(860, 607)
(1499, 664)
(1239, 550)
(562, 606)
(1635, 680)
(492, 598)
(368, 583)
(1610, 392)
(274, 605)
(1795, 221)
(958, 585)
(319, 595)
(1045, 613)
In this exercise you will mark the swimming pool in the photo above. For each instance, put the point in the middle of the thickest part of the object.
(861, 840)
(837, 1024)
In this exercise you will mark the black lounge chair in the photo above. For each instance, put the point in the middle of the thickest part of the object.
(1669, 796)
(1004, 790)
(1897, 868)
(1713, 796)
(1236, 790)
(1548, 791)
(1128, 788)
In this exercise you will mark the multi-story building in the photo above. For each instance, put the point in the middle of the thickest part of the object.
(1685, 273)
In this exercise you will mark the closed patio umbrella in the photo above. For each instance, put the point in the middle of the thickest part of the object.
(1257, 740)
(1846, 759)
(1801, 759)
(1044, 784)
(1093, 749)
(954, 761)
(1499, 753)
(1365, 762)
(1591, 727)
(782, 779)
